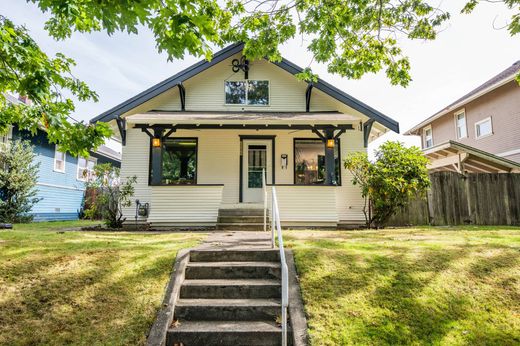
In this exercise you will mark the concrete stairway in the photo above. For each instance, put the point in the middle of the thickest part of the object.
(241, 219)
(229, 297)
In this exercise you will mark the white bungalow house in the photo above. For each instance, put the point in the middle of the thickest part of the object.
(199, 141)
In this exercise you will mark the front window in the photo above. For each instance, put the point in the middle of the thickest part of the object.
(460, 124)
(86, 168)
(484, 128)
(249, 92)
(309, 161)
(428, 137)
(5, 137)
(59, 160)
(179, 161)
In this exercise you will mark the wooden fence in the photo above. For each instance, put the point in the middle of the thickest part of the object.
(455, 199)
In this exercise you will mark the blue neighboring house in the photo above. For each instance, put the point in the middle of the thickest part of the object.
(61, 177)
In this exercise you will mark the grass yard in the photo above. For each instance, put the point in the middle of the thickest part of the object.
(410, 286)
(91, 288)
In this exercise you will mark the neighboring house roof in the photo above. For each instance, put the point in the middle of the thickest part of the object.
(225, 53)
(455, 156)
(500, 79)
(11, 99)
(108, 152)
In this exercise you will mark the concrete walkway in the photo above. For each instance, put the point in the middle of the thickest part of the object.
(237, 240)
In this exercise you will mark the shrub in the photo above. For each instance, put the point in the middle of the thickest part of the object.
(111, 194)
(18, 176)
(388, 183)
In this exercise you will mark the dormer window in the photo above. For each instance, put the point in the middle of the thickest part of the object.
(247, 92)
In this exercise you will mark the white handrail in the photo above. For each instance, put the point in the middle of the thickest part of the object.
(264, 185)
(275, 226)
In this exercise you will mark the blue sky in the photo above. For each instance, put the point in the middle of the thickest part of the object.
(469, 50)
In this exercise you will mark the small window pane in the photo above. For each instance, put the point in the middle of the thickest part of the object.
(179, 161)
(461, 125)
(258, 92)
(235, 92)
(59, 160)
(309, 157)
(484, 128)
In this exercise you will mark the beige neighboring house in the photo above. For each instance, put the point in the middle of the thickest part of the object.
(199, 141)
(480, 132)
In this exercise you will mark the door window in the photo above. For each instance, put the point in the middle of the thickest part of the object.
(257, 158)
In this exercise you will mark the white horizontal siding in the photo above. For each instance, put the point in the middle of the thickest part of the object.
(307, 204)
(185, 204)
(134, 162)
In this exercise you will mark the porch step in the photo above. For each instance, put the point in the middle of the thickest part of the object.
(234, 255)
(231, 289)
(227, 309)
(241, 333)
(242, 219)
(233, 270)
(242, 212)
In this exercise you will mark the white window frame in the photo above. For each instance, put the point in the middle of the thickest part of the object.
(425, 140)
(246, 104)
(478, 123)
(56, 151)
(90, 172)
(456, 115)
(6, 137)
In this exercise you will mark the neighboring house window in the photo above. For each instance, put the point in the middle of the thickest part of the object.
(249, 92)
(5, 138)
(484, 128)
(86, 168)
(309, 162)
(59, 160)
(460, 124)
(179, 156)
(428, 137)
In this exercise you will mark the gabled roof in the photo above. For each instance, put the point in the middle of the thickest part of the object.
(225, 53)
(500, 79)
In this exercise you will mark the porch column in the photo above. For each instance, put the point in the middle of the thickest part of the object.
(330, 164)
(157, 156)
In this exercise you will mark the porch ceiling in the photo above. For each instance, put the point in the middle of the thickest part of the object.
(304, 118)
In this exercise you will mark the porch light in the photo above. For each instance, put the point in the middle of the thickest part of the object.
(156, 142)
(330, 143)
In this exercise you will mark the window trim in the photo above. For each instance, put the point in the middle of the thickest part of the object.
(91, 158)
(426, 128)
(56, 150)
(246, 104)
(490, 119)
(455, 117)
(162, 152)
(338, 143)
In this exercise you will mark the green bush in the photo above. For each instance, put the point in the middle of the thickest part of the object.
(388, 183)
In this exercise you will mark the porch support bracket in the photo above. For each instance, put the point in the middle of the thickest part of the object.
(308, 94)
(121, 125)
(367, 127)
(182, 94)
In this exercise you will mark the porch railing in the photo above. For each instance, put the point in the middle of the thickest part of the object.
(276, 230)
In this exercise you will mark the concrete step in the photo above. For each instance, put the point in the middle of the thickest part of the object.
(227, 309)
(242, 219)
(231, 289)
(256, 227)
(233, 270)
(242, 212)
(237, 333)
(235, 255)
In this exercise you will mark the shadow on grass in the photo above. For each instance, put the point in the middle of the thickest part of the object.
(389, 294)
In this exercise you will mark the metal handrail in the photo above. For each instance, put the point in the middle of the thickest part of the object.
(276, 228)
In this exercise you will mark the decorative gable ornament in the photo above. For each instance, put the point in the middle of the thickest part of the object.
(241, 64)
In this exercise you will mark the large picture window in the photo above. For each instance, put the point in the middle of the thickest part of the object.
(309, 162)
(249, 92)
(179, 161)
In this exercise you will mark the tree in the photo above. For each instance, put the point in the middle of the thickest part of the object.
(388, 183)
(18, 175)
(27, 70)
(111, 194)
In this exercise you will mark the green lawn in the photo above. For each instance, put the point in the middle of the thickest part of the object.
(410, 286)
(91, 288)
